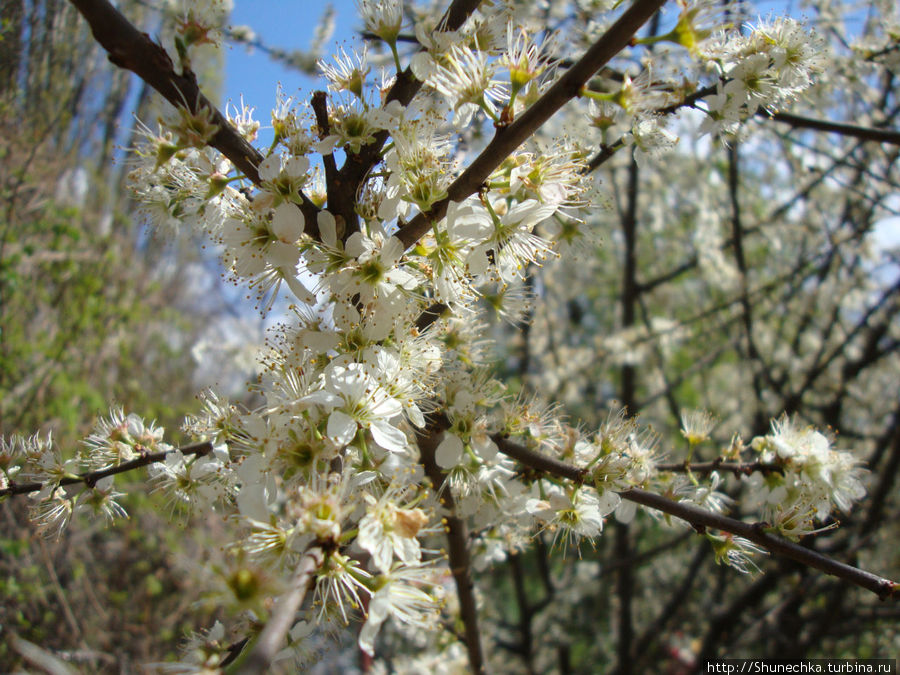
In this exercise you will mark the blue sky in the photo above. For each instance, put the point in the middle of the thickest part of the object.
(287, 24)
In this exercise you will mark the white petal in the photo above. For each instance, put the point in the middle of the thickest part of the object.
(296, 167)
(486, 449)
(287, 222)
(367, 635)
(422, 65)
(415, 415)
(326, 145)
(299, 290)
(341, 427)
(251, 501)
(322, 397)
(270, 167)
(608, 502)
(283, 256)
(625, 512)
(407, 549)
(357, 244)
(327, 228)
(449, 452)
(387, 436)
(477, 261)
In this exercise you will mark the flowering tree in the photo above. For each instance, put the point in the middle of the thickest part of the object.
(396, 460)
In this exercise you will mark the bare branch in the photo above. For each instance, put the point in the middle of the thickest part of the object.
(854, 131)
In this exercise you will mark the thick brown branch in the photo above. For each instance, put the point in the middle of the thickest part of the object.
(507, 139)
(90, 478)
(701, 519)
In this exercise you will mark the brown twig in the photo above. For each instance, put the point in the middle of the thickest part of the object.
(737, 468)
(853, 130)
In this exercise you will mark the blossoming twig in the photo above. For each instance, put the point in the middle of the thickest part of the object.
(511, 137)
(702, 519)
(90, 478)
(133, 50)
(403, 90)
(457, 540)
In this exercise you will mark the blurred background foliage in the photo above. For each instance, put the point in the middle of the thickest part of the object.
(93, 312)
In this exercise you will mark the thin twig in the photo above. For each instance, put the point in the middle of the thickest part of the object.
(737, 468)
(889, 136)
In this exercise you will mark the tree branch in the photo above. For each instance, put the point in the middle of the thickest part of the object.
(263, 652)
(855, 131)
(405, 87)
(133, 50)
(702, 519)
(90, 478)
(507, 139)
(690, 101)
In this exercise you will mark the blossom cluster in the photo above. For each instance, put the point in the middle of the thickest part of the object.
(767, 68)
(816, 480)
(383, 345)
